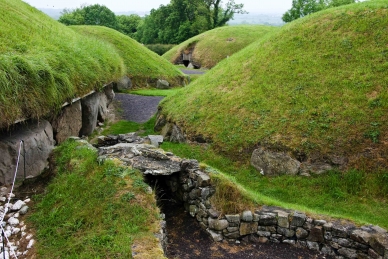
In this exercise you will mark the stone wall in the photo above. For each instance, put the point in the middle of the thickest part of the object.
(340, 239)
(80, 117)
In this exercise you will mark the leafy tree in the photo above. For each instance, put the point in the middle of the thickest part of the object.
(128, 24)
(89, 15)
(301, 8)
(218, 15)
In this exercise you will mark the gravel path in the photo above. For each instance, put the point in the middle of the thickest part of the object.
(138, 108)
(192, 72)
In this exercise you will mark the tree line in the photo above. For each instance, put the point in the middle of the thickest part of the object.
(169, 24)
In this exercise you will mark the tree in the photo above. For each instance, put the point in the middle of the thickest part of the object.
(301, 8)
(128, 24)
(89, 15)
(218, 15)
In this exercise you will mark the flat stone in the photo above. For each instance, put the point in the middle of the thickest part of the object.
(218, 224)
(316, 235)
(379, 243)
(348, 253)
(248, 228)
(216, 236)
(283, 220)
(263, 233)
(233, 235)
(286, 232)
(155, 140)
(267, 219)
(17, 205)
(233, 218)
(298, 219)
(202, 179)
(301, 233)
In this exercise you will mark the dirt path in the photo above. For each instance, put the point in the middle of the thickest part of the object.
(138, 108)
(186, 240)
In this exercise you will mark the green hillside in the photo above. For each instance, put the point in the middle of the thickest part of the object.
(318, 87)
(215, 45)
(43, 63)
(142, 65)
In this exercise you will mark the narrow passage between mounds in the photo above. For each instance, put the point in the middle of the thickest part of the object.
(187, 240)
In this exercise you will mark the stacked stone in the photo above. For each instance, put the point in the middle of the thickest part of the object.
(18, 241)
(339, 239)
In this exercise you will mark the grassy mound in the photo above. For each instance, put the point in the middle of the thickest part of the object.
(212, 46)
(43, 63)
(317, 87)
(143, 65)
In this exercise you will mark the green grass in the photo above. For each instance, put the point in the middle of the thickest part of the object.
(215, 45)
(353, 195)
(317, 86)
(143, 66)
(123, 126)
(43, 63)
(93, 210)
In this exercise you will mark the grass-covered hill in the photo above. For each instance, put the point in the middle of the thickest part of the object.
(142, 65)
(44, 63)
(318, 87)
(212, 46)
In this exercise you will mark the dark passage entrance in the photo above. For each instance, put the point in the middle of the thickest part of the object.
(187, 240)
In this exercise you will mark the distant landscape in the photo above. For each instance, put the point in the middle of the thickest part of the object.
(250, 18)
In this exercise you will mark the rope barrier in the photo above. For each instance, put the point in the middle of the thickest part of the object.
(9, 200)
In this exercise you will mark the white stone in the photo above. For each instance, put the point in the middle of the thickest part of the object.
(29, 236)
(27, 200)
(31, 244)
(16, 215)
(18, 205)
(3, 199)
(7, 233)
(15, 231)
(13, 221)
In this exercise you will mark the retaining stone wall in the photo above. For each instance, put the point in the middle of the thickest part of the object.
(340, 239)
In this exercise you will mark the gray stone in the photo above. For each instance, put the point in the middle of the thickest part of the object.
(274, 163)
(103, 111)
(298, 219)
(162, 84)
(263, 233)
(360, 236)
(247, 216)
(318, 222)
(155, 140)
(232, 229)
(202, 179)
(341, 230)
(267, 219)
(327, 235)
(193, 209)
(233, 218)
(301, 233)
(17, 205)
(313, 245)
(232, 235)
(316, 235)
(248, 228)
(290, 242)
(218, 224)
(347, 252)
(38, 144)
(256, 217)
(379, 243)
(315, 168)
(124, 83)
(23, 210)
(90, 106)
(326, 250)
(68, 122)
(286, 232)
(344, 242)
(177, 135)
(213, 213)
(216, 236)
(283, 220)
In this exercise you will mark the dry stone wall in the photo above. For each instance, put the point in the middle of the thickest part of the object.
(193, 187)
(80, 117)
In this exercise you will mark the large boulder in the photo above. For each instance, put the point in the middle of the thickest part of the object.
(68, 122)
(90, 105)
(38, 144)
(162, 84)
(124, 83)
(274, 163)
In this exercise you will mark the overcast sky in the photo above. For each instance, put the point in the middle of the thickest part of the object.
(252, 6)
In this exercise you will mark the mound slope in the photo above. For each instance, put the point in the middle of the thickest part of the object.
(316, 88)
(142, 65)
(209, 48)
